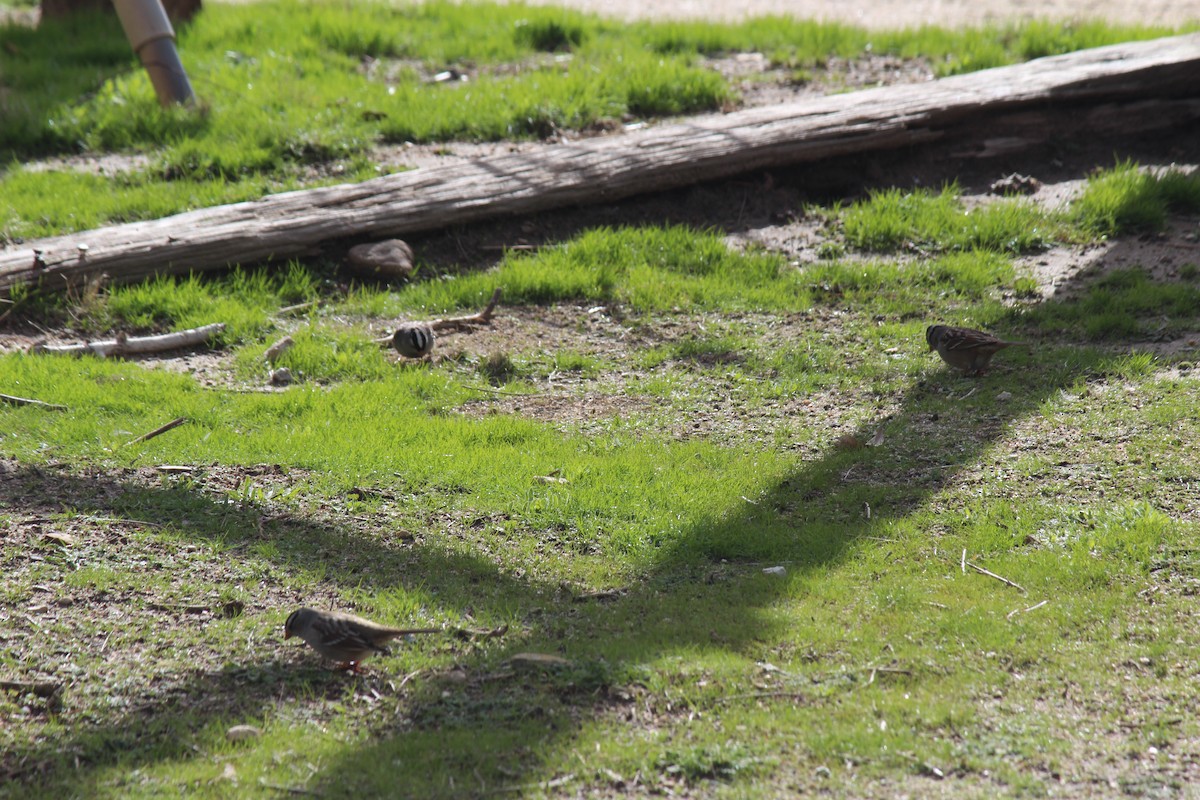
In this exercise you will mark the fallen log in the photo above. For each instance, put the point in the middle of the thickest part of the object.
(608, 168)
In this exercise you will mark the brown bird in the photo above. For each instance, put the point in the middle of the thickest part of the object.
(964, 348)
(342, 637)
(413, 339)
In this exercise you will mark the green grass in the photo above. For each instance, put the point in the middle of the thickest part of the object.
(290, 89)
(1125, 199)
(373, 486)
(892, 219)
(612, 501)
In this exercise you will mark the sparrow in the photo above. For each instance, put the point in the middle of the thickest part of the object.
(413, 339)
(343, 637)
(964, 348)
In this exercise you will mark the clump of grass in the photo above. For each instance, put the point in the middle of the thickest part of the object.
(550, 35)
(1126, 198)
(893, 219)
(646, 268)
(32, 203)
(325, 355)
(243, 300)
(1123, 304)
(499, 368)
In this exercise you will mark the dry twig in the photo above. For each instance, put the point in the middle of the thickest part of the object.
(25, 401)
(1000, 578)
(175, 423)
(131, 345)
(762, 696)
(479, 318)
(470, 319)
(1016, 611)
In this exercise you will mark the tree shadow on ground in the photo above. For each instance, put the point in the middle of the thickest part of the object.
(46, 69)
(811, 520)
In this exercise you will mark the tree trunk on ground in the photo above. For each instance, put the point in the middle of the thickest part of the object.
(981, 114)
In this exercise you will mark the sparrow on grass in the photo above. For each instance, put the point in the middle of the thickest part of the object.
(413, 339)
(342, 637)
(964, 348)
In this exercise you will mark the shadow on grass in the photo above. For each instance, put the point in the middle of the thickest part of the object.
(46, 70)
(491, 730)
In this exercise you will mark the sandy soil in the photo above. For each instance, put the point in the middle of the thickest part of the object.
(899, 13)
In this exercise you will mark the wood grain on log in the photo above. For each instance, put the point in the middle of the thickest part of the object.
(607, 168)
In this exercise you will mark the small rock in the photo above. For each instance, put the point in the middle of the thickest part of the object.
(242, 733)
(776, 571)
(281, 377)
(1004, 397)
(386, 260)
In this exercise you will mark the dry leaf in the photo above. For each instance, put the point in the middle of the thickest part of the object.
(61, 538)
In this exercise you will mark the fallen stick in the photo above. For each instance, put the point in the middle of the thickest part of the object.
(25, 401)
(763, 696)
(1033, 607)
(1000, 578)
(123, 345)
(297, 307)
(470, 319)
(175, 423)
(476, 633)
(479, 318)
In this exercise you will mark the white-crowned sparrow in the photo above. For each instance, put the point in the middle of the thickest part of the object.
(413, 339)
(343, 637)
(964, 348)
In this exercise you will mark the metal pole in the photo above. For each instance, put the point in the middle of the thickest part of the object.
(153, 39)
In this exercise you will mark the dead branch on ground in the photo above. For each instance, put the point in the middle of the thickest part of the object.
(133, 345)
(25, 401)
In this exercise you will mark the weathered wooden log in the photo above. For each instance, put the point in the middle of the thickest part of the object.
(607, 168)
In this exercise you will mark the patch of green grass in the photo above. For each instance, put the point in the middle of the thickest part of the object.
(646, 268)
(286, 86)
(893, 219)
(795, 43)
(1120, 305)
(782, 417)
(243, 300)
(33, 204)
(297, 83)
(1127, 199)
